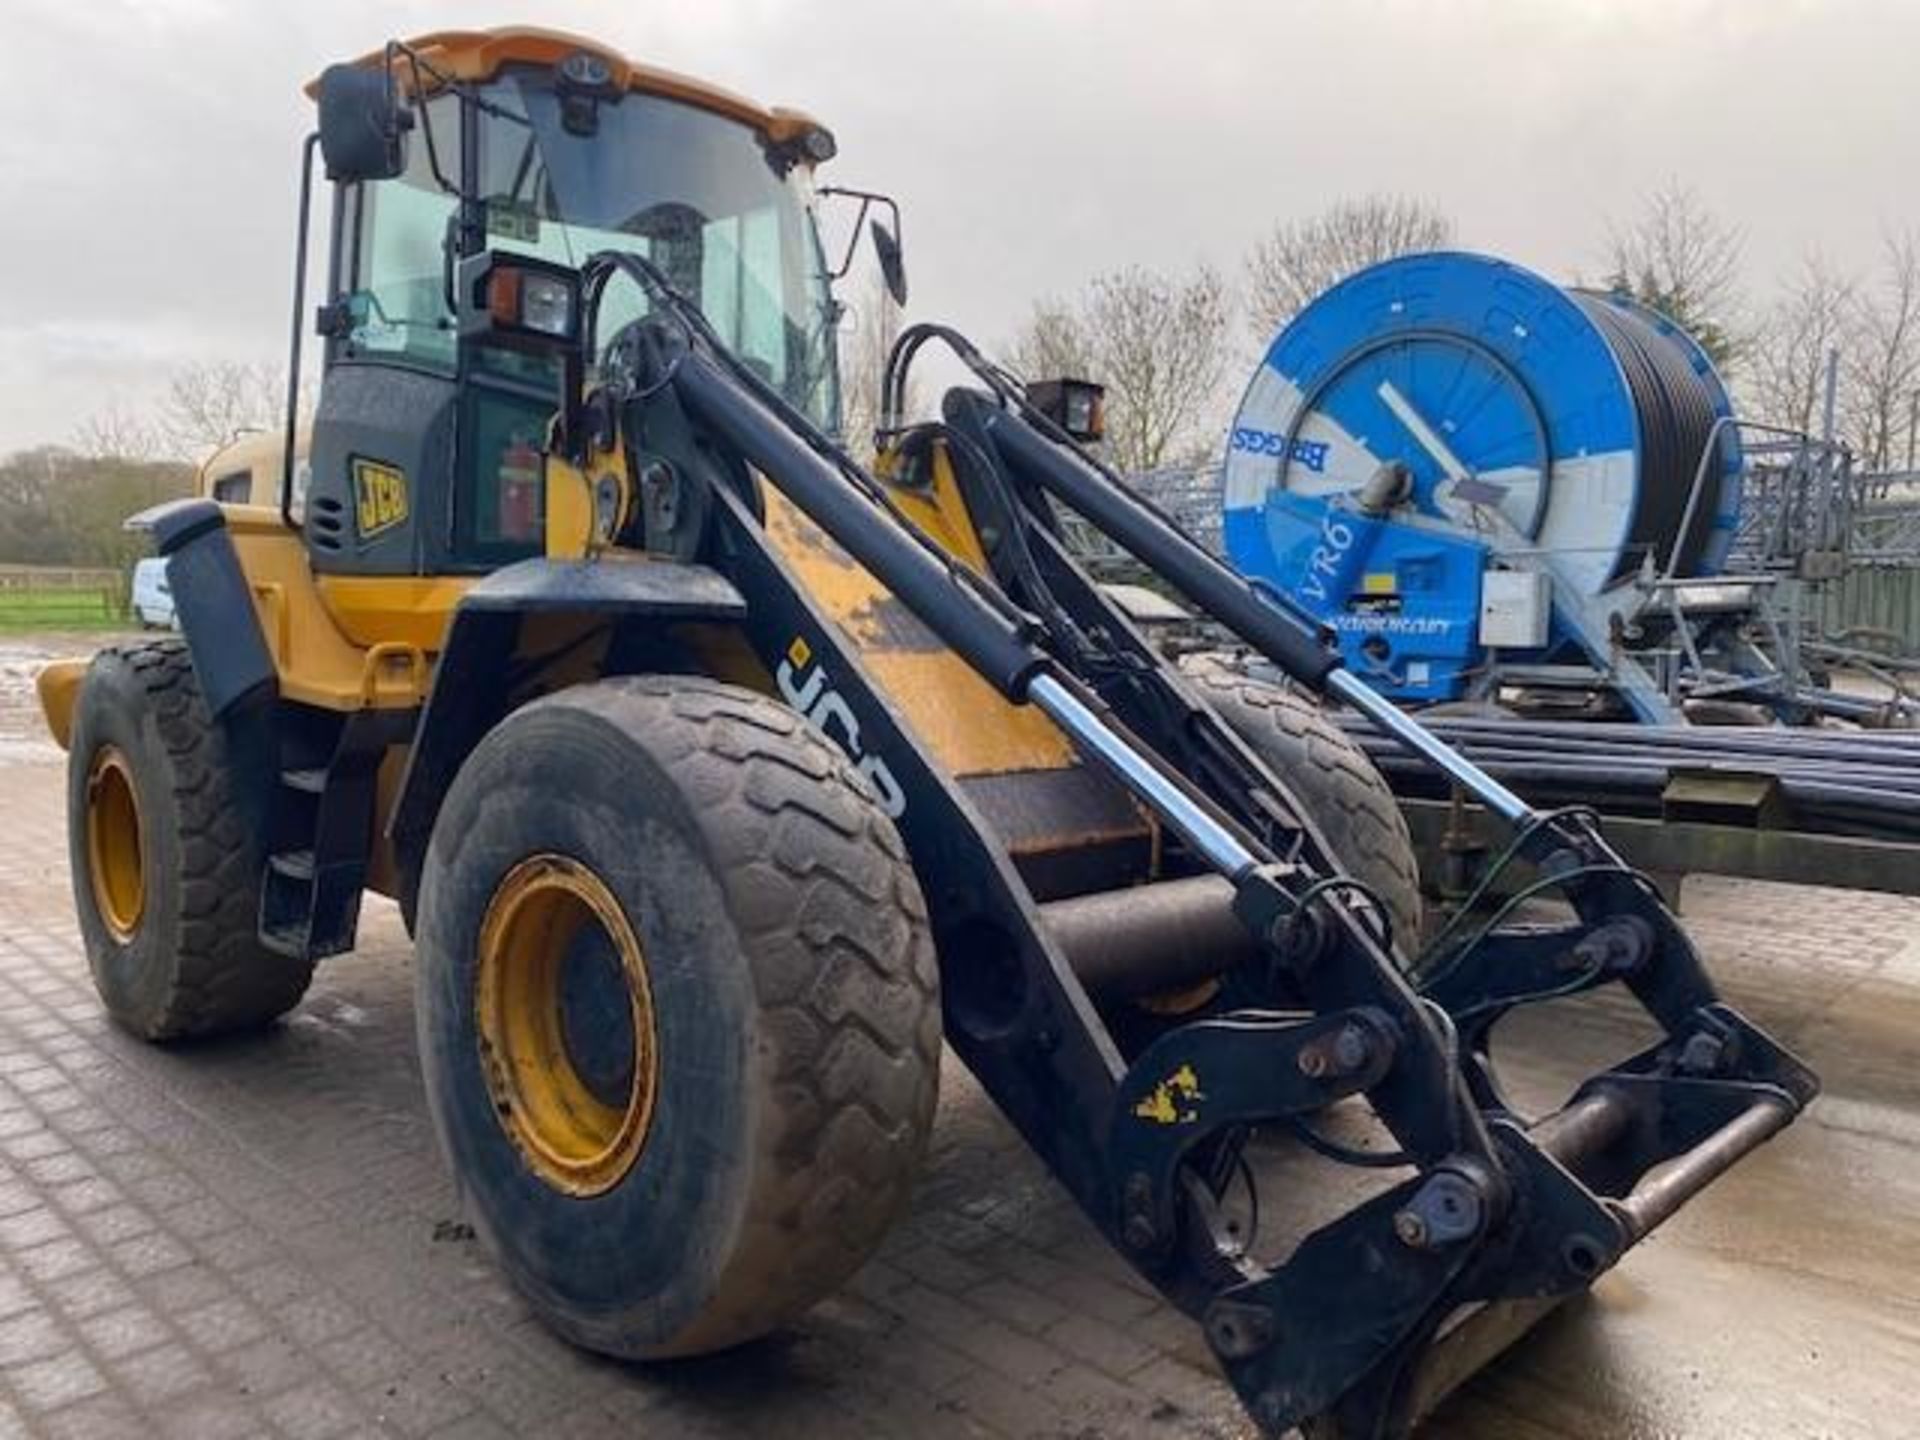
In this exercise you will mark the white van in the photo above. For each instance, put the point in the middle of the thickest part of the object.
(152, 596)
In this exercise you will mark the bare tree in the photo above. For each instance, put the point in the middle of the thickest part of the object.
(1787, 369)
(1055, 343)
(119, 433)
(864, 347)
(1882, 357)
(1299, 259)
(1681, 259)
(209, 403)
(1158, 343)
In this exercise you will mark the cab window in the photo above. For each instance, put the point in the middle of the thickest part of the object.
(397, 288)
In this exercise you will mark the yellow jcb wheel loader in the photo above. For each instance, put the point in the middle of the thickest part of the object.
(719, 778)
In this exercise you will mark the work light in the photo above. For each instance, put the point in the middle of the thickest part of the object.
(1076, 406)
(520, 301)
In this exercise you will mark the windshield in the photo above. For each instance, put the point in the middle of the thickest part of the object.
(694, 192)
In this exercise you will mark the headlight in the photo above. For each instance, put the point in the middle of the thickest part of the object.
(522, 299)
(546, 305)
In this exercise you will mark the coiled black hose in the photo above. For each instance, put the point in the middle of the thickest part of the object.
(1674, 406)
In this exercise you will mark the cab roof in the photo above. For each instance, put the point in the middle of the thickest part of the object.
(479, 55)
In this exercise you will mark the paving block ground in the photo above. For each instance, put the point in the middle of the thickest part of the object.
(256, 1237)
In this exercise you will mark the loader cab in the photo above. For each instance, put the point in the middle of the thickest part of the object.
(427, 446)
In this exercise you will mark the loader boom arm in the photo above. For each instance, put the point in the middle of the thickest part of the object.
(1492, 1215)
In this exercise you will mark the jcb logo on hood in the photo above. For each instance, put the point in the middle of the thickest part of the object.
(806, 688)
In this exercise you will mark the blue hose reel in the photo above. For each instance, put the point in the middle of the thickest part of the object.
(1447, 457)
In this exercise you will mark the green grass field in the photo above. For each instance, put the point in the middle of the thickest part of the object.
(81, 609)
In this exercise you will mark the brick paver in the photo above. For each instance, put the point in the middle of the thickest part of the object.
(256, 1237)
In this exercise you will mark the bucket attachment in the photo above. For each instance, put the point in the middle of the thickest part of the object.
(1373, 1319)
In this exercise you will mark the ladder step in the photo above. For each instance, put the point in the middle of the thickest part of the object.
(286, 940)
(294, 864)
(308, 782)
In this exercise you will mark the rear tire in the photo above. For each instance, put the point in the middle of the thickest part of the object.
(166, 850)
(1348, 798)
(760, 1072)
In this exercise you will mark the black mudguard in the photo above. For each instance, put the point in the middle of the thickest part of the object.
(471, 682)
(212, 602)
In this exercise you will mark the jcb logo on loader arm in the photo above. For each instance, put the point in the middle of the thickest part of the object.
(825, 709)
(379, 497)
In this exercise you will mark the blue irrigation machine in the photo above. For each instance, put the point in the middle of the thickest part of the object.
(1475, 476)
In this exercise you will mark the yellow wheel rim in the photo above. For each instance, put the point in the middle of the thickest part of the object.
(571, 1078)
(113, 844)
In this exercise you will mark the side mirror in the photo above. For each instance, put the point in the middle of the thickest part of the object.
(893, 269)
(886, 238)
(363, 124)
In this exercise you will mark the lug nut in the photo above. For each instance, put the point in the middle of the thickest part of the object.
(1410, 1229)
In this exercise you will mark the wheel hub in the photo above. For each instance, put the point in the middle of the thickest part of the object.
(565, 1017)
(113, 844)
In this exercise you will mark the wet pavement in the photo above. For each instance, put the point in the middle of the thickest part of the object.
(256, 1237)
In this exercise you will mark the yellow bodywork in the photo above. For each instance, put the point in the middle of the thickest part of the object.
(251, 469)
(962, 719)
(352, 642)
(384, 661)
(59, 687)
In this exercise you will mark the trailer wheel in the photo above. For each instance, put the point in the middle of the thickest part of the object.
(1350, 800)
(166, 851)
(678, 1012)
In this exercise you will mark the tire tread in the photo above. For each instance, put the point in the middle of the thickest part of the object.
(224, 979)
(1353, 804)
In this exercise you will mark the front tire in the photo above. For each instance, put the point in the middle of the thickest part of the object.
(1342, 789)
(166, 850)
(678, 1012)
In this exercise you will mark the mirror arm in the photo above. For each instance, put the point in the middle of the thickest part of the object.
(399, 48)
(307, 152)
(853, 235)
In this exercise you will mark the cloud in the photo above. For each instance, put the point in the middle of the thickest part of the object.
(150, 146)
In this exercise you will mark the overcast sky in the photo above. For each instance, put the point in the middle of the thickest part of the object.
(149, 147)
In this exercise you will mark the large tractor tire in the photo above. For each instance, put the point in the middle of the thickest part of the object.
(167, 850)
(678, 1012)
(1348, 798)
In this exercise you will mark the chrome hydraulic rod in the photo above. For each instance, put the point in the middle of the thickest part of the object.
(1281, 633)
(1189, 820)
(1422, 741)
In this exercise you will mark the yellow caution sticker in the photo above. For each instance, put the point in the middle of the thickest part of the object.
(1173, 1101)
(379, 497)
(1378, 582)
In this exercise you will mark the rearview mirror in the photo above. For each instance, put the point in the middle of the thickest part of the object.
(363, 124)
(886, 238)
(893, 269)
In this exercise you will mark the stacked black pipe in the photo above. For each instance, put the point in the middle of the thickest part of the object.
(1857, 783)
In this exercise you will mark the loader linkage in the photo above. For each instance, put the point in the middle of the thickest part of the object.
(1374, 1317)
